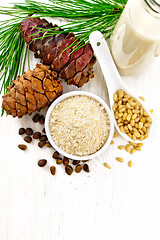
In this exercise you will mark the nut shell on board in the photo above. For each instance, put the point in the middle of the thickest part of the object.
(68, 169)
(42, 162)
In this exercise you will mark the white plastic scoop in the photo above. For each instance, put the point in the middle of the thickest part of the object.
(111, 75)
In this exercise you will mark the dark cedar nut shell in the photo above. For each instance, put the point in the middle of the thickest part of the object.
(22, 146)
(41, 119)
(59, 161)
(41, 144)
(43, 138)
(75, 162)
(44, 131)
(86, 167)
(29, 131)
(42, 162)
(36, 118)
(78, 168)
(48, 145)
(68, 169)
(53, 170)
(56, 155)
(21, 131)
(28, 139)
(65, 161)
(36, 135)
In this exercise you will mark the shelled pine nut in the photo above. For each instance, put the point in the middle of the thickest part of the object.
(107, 165)
(115, 135)
(121, 147)
(128, 148)
(120, 159)
(133, 150)
(131, 118)
(130, 163)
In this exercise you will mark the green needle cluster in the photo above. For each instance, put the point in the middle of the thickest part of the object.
(12, 48)
(82, 17)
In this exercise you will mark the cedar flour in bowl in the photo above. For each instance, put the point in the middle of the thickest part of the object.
(79, 125)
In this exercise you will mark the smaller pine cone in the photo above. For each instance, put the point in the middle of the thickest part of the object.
(32, 91)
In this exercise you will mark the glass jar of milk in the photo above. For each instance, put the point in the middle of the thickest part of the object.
(135, 41)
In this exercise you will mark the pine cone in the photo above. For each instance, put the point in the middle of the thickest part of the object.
(75, 68)
(32, 91)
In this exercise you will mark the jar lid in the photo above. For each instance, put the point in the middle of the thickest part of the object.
(153, 5)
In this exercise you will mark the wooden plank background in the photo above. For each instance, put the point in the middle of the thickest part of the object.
(121, 203)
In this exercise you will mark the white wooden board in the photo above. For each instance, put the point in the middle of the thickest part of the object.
(121, 203)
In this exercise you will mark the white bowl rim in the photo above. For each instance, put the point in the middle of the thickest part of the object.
(111, 119)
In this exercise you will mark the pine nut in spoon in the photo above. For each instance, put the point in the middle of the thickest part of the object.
(132, 119)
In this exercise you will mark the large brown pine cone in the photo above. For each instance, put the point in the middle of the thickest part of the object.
(75, 68)
(32, 91)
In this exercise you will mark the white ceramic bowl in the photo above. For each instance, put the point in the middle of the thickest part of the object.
(67, 95)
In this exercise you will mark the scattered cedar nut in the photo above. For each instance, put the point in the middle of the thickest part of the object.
(48, 145)
(41, 144)
(56, 155)
(42, 162)
(142, 98)
(36, 118)
(120, 159)
(65, 161)
(140, 144)
(107, 165)
(59, 161)
(36, 135)
(43, 138)
(115, 135)
(44, 131)
(133, 151)
(75, 162)
(151, 111)
(121, 147)
(28, 139)
(53, 170)
(21, 131)
(130, 164)
(85, 161)
(86, 167)
(68, 169)
(22, 146)
(133, 144)
(128, 148)
(41, 119)
(29, 131)
(78, 168)
(138, 148)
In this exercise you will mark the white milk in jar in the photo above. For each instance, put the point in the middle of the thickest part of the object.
(135, 41)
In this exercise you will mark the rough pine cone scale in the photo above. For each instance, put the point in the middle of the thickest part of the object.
(77, 54)
(28, 27)
(32, 91)
(50, 49)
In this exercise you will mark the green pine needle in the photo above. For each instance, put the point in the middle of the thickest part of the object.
(12, 47)
(70, 9)
(83, 17)
(12, 57)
